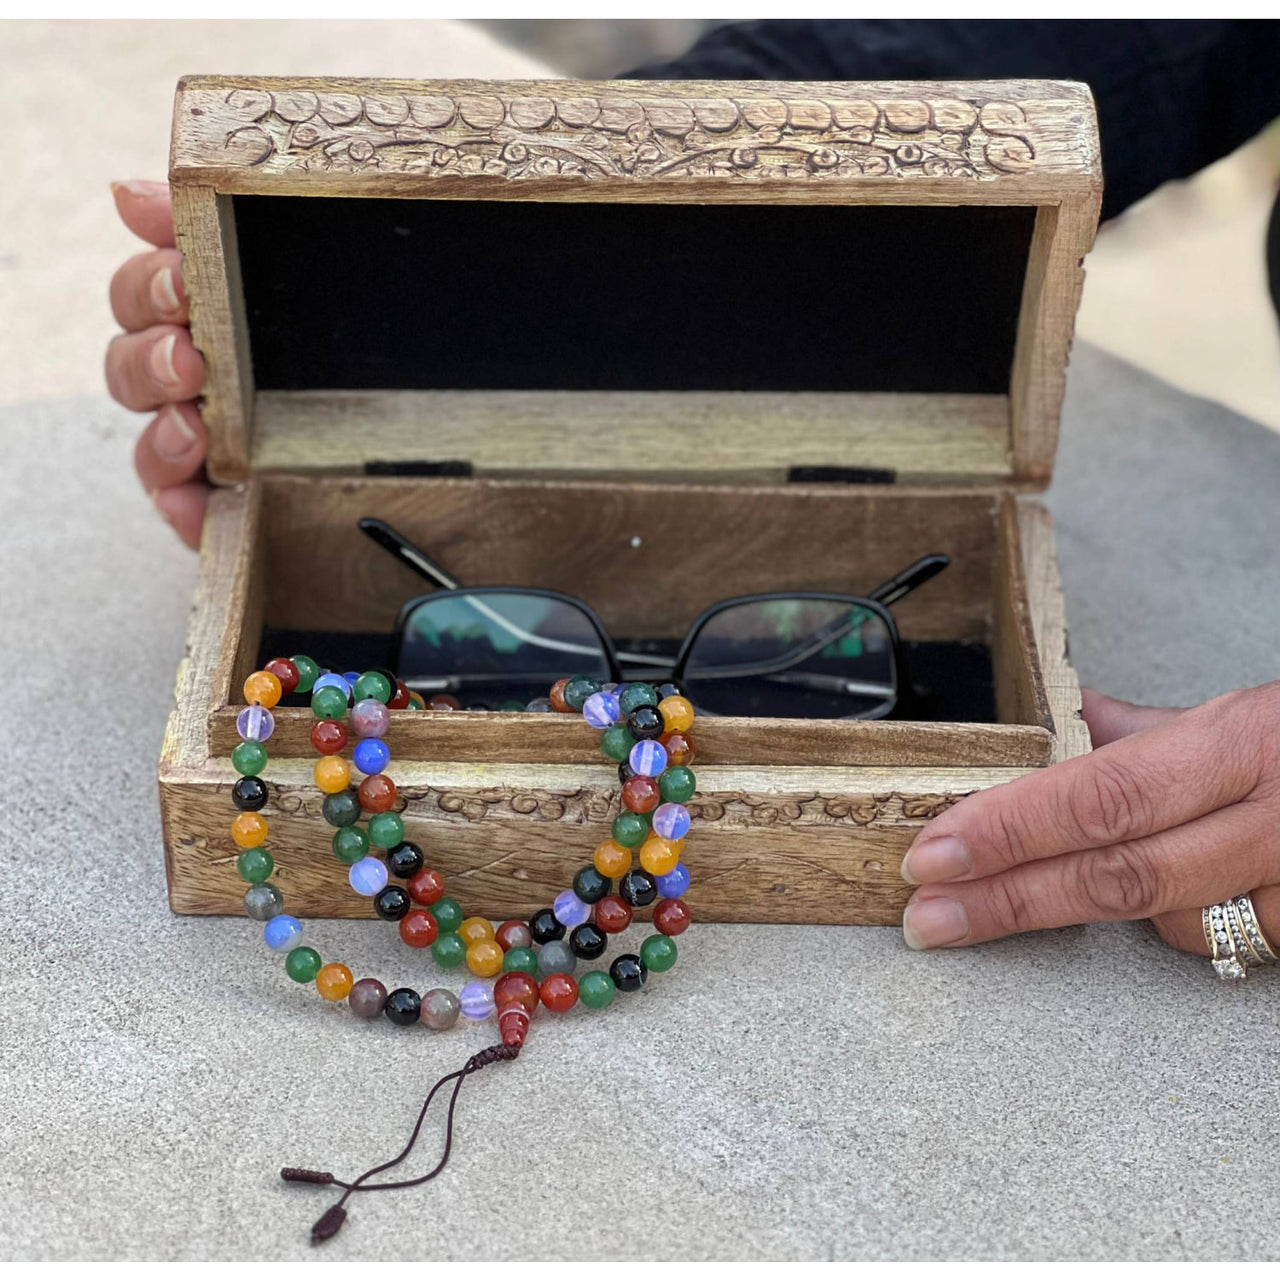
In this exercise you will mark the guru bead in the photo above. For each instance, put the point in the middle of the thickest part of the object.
(255, 724)
(671, 917)
(637, 889)
(386, 830)
(612, 859)
(677, 712)
(302, 964)
(328, 736)
(513, 1023)
(263, 688)
(558, 992)
(612, 914)
(332, 774)
(392, 903)
(263, 901)
(334, 982)
(373, 685)
(368, 877)
(285, 671)
(367, 998)
(570, 910)
(648, 757)
(404, 1006)
(377, 793)
(404, 861)
(601, 710)
(308, 672)
(440, 1009)
(671, 821)
(249, 794)
(675, 882)
(281, 932)
(646, 722)
(249, 830)
(476, 1001)
(249, 758)
(371, 755)
(370, 719)
(418, 929)
(640, 794)
(628, 973)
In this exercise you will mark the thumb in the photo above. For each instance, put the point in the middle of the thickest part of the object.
(1109, 718)
(145, 208)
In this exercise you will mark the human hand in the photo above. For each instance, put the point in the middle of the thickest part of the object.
(1172, 811)
(153, 364)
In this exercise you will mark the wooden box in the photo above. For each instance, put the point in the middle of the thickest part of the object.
(654, 344)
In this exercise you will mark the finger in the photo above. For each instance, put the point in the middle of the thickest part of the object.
(172, 449)
(1183, 929)
(149, 290)
(183, 507)
(1187, 866)
(144, 207)
(1161, 777)
(1109, 718)
(157, 366)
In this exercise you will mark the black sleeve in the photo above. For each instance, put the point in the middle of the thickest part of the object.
(1172, 96)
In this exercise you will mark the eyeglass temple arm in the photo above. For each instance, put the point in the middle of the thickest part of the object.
(913, 576)
(399, 546)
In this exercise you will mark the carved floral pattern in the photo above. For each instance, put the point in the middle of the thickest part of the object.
(744, 139)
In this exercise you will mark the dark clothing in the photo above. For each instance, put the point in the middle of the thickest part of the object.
(1172, 96)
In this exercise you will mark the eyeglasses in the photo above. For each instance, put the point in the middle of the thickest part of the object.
(806, 654)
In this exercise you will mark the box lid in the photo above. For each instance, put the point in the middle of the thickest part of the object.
(701, 280)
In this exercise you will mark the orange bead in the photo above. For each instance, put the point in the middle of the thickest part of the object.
(249, 830)
(334, 982)
(377, 793)
(484, 958)
(475, 929)
(263, 688)
(612, 860)
(679, 747)
(333, 774)
(677, 714)
(556, 696)
(658, 856)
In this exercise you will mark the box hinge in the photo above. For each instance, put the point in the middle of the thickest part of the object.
(379, 467)
(841, 475)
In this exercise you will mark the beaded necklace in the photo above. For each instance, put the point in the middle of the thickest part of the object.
(645, 733)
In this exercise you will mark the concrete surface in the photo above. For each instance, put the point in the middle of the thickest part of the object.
(784, 1092)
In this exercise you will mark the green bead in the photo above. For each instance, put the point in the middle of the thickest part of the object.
(373, 684)
(579, 689)
(631, 696)
(511, 704)
(329, 703)
(448, 914)
(677, 784)
(596, 989)
(342, 808)
(386, 830)
(658, 953)
(449, 949)
(302, 964)
(308, 672)
(350, 844)
(249, 758)
(523, 958)
(630, 829)
(616, 742)
(255, 865)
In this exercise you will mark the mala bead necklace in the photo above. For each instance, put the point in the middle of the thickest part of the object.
(642, 728)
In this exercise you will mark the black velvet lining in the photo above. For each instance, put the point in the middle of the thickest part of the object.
(518, 295)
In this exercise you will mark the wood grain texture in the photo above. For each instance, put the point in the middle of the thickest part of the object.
(742, 437)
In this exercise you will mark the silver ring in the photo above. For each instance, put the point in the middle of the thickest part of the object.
(1226, 963)
(1247, 916)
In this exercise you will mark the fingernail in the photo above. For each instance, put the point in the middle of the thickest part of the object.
(164, 295)
(138, 187)
(940, 859)
(173, 437)
(161, 360)
(933, 923)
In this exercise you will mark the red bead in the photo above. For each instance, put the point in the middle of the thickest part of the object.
(285, 672)
(518, 986)
(640, 794)
(556, 696)
(671, 916)
(513, 1023)
(418, 929)
(444, 702)
(328, 737)
(559, 992)
(400, 699)
(612, 914)
(513, 933)
(377, 793)
(679, 747)
(426, 887)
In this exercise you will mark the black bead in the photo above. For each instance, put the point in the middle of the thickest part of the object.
(404, 860)
(390, 677)
(625, 772)
(392, 903)
(628, 974)
(637, 888)
(479, 705)
(342, 808)
(668, 689)
(403, 1006)
(545, 927)
(647, 722)
(590, 885)
(249, 794)
(587, 942)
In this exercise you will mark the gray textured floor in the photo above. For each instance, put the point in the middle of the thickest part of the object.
(784, 1092)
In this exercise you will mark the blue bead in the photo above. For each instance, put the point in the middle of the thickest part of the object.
(674, 883)
(370, 755)
(368, 877)
(570, 909)
(601, 710)
(476, 1000)
(648, 757)
(351, 677)
(281, 931)
(332, 680)
(255, 724)
(671, 821)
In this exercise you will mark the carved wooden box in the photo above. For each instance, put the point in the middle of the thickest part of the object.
(653, 344)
